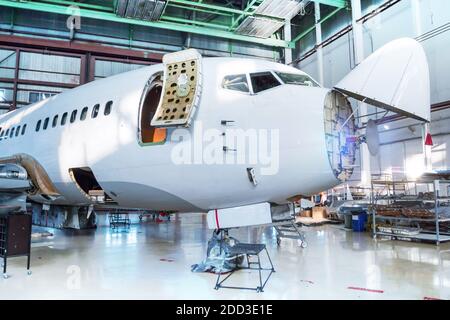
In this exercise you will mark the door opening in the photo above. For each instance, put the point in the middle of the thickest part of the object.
(88, 185)
(152, 96)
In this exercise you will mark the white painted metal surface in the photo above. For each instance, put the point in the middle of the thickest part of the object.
(395, 77)
(257, 214)
(288, 119)
(147, 176)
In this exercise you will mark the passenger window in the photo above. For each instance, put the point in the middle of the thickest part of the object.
(1, 135)
(55, 121)
(12, 132)
(38, 125)
(64, 119)
(44, 127)
(17, 131)
(84, 113)
(108, 108)
(95, 111)
(236, 82)
(263, 81)
(24, 128)
(73, 116)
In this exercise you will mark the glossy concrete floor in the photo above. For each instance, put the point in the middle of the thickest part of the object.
(152, 261)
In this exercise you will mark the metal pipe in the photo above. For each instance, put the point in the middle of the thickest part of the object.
(37, 173)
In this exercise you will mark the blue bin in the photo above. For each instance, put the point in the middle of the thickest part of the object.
(359, 222)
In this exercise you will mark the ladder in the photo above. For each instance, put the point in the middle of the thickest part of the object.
(288, 229)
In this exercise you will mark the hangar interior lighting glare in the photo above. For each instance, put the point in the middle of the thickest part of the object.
(149, 10)
(280, 10)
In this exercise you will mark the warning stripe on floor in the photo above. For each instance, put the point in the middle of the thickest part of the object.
(366, 290)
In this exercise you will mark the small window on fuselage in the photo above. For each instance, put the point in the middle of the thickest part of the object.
(64, 119)
(108, 108)
(11, 133)
(55, 121)
(17, 131)
(38, 125)
(24, 129)
(263, 81)
(236, 83)
(95, 111)
(73, 116)
(44, 127)
(84, 113)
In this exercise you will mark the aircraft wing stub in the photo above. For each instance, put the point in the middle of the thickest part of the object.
(181, 89)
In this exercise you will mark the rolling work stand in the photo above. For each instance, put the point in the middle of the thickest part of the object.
(15, 238)
(248, 250)
(288, 229)
(118, 219)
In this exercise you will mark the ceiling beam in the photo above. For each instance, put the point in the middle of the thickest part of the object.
(305, 32)
(333, 3)
(109, 16)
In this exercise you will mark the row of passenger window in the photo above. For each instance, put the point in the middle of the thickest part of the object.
(73, 116)
(13, 132)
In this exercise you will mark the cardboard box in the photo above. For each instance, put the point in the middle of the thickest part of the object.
(319, 213)
(306, 214)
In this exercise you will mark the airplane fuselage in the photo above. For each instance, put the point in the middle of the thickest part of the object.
(290, 156)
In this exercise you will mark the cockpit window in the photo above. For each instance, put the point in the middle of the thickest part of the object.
(236, 82)
(298, 79)
(263, 81)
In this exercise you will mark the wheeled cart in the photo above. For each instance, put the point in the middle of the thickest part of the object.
(290, 230)
(15, 238)
(118, 219)
(249, 251)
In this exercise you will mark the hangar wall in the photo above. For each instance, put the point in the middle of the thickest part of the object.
(428, 21)
(47, 25)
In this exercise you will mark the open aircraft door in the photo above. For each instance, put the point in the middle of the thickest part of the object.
(181, 89)
(395, 78)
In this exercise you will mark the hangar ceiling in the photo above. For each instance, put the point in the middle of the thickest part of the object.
(254, 21)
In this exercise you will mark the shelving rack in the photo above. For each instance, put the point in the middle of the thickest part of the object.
(434, 200)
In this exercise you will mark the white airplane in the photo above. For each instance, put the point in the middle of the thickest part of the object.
(234, 137)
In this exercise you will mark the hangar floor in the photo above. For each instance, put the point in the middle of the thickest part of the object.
(152, 261)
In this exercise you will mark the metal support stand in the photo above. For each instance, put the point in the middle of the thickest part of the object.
(248, 250)
(119, 219)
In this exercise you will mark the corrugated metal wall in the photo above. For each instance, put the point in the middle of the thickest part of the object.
(139, 37)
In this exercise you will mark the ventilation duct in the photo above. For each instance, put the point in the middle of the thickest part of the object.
(150, 10)
(270, 16)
